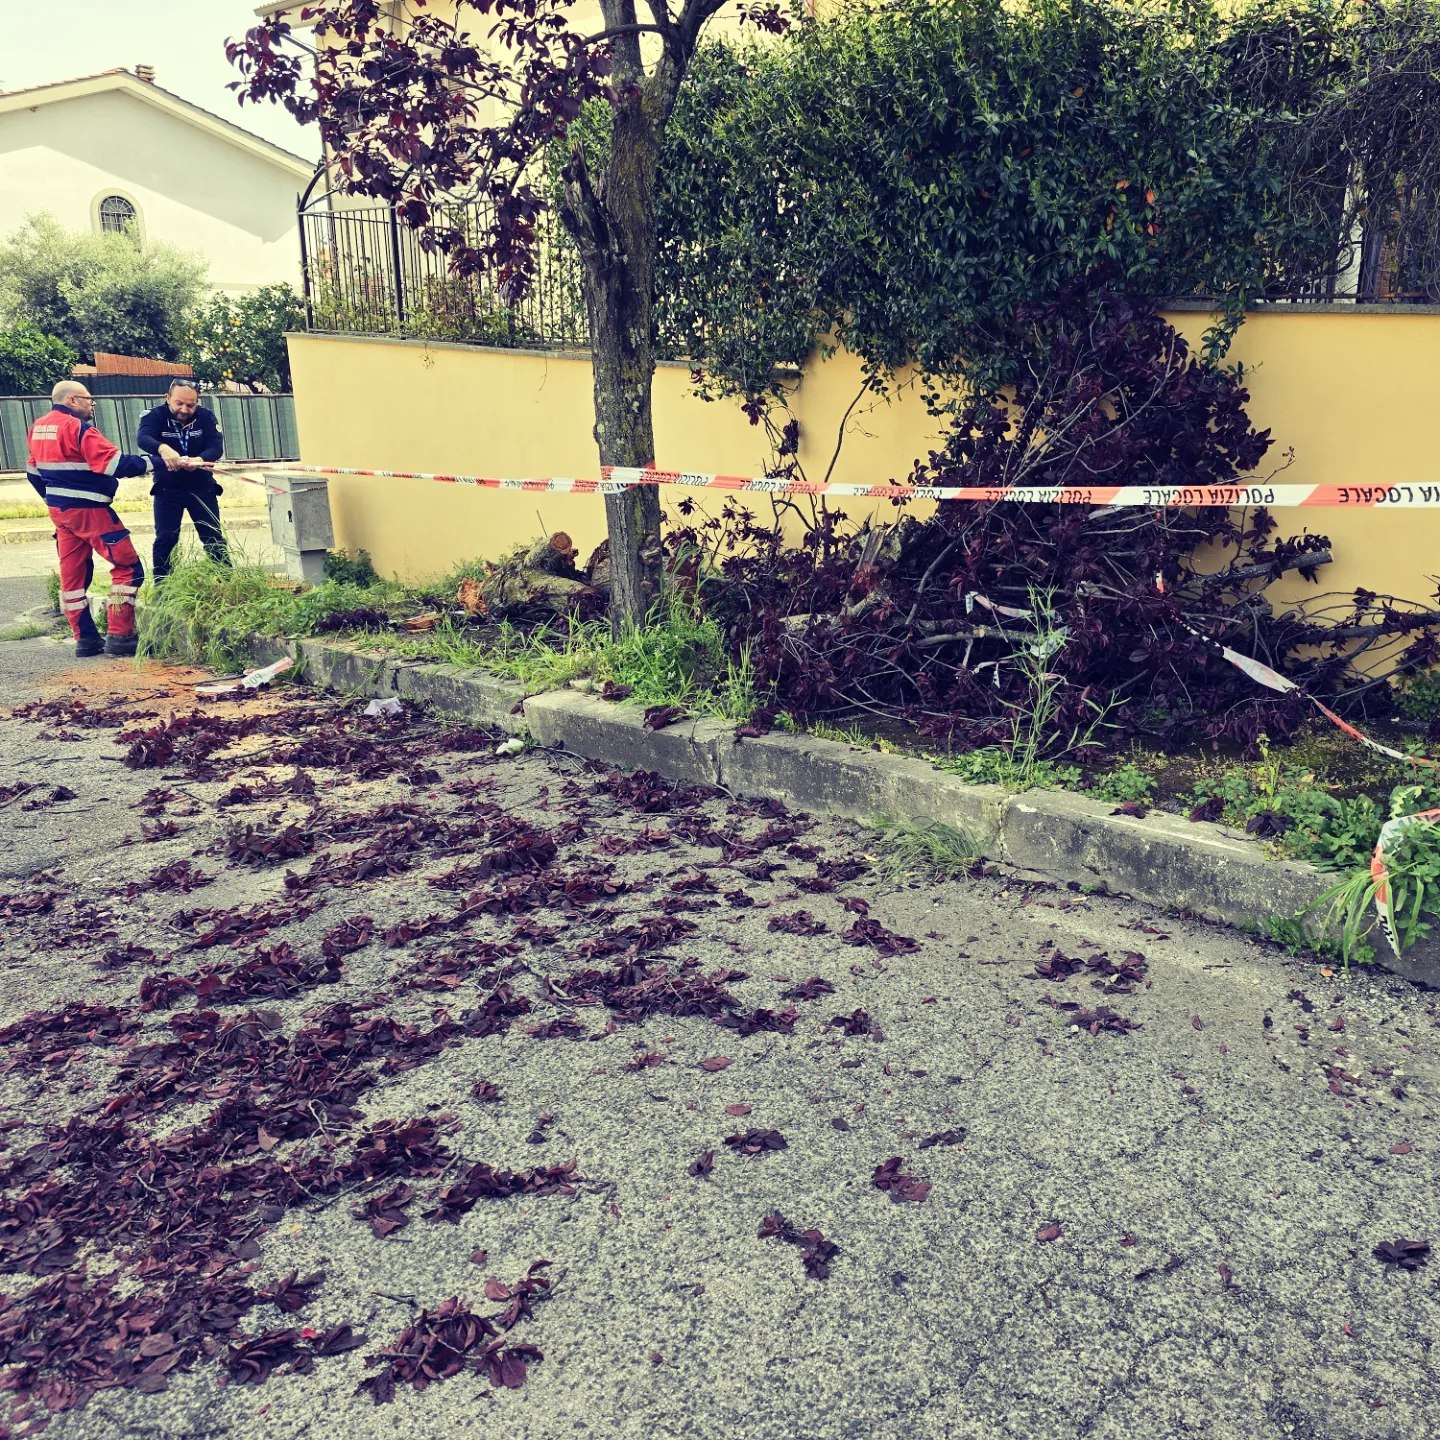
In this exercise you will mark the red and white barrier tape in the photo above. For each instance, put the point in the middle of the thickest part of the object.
(1392, 830)
(620, 478)
(616, 478)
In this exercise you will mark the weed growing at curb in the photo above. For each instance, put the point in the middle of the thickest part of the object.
(23, 630)
(348, 569)
(1407, 894)
(1292, 932)
(999, 765)
(677, 658)
(1419, 698)
(1126, 784)
(923, 850)
(210, 613)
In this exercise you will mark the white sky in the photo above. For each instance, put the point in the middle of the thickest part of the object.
(183, 39)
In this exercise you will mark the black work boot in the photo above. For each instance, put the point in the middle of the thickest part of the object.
(120, 644)
(89, 641)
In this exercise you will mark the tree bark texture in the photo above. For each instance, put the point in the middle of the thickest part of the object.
(612, 219)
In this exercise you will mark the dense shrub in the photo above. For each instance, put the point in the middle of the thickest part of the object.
(911, 617)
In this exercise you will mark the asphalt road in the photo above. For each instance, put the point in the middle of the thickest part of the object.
(1159, 1231)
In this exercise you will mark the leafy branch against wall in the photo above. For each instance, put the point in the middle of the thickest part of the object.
(902, 179)
(931, 619)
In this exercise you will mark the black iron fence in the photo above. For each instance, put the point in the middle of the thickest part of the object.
(366, 272)
(257, 427)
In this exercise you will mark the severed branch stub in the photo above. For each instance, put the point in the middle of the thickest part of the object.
(543, 577)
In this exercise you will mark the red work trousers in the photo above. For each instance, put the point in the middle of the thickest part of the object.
(99, 529)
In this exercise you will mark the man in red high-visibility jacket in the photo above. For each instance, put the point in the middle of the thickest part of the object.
(76, 471)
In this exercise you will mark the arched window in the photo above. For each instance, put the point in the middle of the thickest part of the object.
(117, 216)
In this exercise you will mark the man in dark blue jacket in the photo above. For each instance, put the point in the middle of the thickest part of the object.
(186, 441)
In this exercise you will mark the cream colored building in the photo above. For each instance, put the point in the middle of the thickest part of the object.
(115, 150)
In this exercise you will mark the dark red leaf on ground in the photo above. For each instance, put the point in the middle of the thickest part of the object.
(800, 922)
(290, 1294)
(1047, 1233)
(1268, 824)
(1406, 1254)
(657, 717)
(1101, 1018)
(870, 932)
(858, 1022)
(1170, 1265)
(1058, 966)
(716, 1062)
(811, 989)
(753, 1022)
(816, 1252)
(901, 1187)
(756, 1142)
(943, 1137)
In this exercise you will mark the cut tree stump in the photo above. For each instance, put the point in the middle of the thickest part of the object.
(543, 577)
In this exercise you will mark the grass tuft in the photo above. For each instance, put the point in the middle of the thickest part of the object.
(678, 658)
(210, 613)
(928, 850)
(24, 630)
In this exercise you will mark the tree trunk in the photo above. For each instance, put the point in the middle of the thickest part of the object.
(620, 298)
(624, 367)
(613, 224)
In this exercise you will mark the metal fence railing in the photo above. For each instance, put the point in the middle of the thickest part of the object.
(367, 273)
(257, 427)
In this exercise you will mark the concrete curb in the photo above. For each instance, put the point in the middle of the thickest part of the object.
(41, 615)
(1051, 835)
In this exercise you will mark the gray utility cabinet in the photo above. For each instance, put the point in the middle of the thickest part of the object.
(300, 522)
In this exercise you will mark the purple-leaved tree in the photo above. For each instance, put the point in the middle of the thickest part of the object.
(445, 110)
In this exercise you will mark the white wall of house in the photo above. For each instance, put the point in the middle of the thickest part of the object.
(191, 188)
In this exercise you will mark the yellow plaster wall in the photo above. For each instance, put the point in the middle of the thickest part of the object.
(1354, 394)
(458, 409)
(1357, 397)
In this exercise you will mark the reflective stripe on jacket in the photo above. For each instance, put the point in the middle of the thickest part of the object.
(72, 464)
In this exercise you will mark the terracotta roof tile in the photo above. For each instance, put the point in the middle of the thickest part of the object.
(108, 364)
